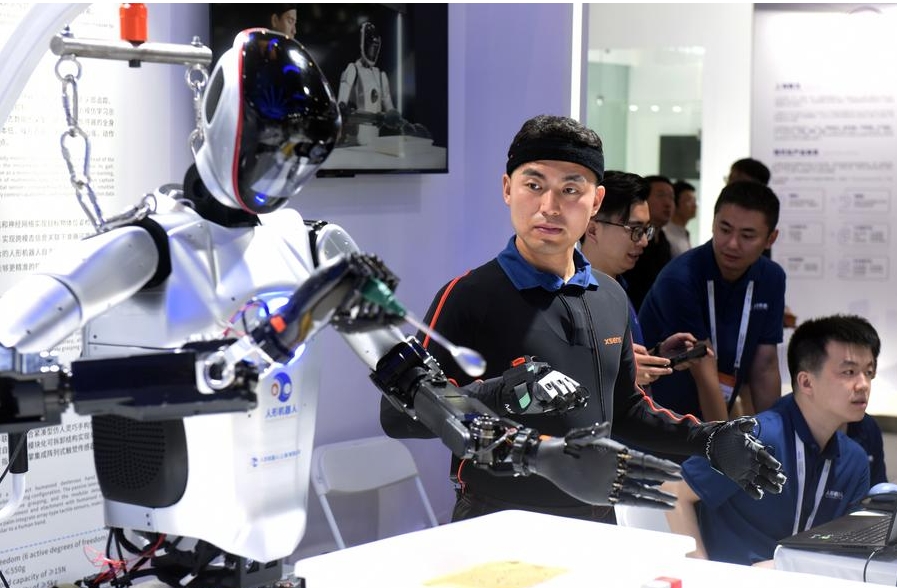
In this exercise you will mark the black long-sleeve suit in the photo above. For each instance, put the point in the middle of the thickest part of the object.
(580, 329)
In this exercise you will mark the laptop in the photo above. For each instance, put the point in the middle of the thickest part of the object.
(861, 532)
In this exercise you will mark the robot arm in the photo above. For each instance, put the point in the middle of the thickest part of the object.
(346, 83)
(585, 463)
(387, 95)
(86, 279)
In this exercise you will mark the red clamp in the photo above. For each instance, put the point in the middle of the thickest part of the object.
(132, 19)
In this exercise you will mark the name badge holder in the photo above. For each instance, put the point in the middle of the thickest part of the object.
(727, 381)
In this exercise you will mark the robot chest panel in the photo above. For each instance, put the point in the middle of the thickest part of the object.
(215, 275)
(369, 88)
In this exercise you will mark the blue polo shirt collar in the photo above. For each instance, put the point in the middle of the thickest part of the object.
(524, 276)
(830, 451)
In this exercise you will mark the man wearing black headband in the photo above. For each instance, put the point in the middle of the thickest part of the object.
(539, 297)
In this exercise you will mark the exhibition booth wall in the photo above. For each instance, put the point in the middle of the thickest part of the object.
(507, 62)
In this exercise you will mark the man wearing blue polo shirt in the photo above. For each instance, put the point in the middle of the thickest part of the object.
(832, 361)
(726, 294)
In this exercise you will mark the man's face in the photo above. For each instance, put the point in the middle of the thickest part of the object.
(285, 23)
(551, 203)
(841, 388)
(661, 203)
(688, 205)
(739, 238)
(615, 249)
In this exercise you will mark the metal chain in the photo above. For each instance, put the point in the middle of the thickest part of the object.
(80, 180)
(197, 77)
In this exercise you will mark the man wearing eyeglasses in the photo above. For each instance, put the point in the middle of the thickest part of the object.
(731, 297)
(614, 240)
(658, 252)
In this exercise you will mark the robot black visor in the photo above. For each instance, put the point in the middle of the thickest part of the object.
(289, 122)
(555, 150)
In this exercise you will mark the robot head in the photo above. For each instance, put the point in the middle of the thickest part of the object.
(370, 43)
(270, 120)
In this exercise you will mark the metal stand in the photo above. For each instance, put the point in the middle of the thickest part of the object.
(193, 54)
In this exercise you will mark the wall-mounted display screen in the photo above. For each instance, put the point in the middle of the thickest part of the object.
(388, 67)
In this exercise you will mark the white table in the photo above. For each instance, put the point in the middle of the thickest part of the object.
(595, 555)
(881, 568)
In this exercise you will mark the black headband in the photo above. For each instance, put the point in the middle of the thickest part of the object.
(556, 150)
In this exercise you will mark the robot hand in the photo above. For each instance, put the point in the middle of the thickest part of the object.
(392, 123)
(591, 467)
(533, 387)
(354, 294)
(372, 305)
(736, 453)
(345, 109)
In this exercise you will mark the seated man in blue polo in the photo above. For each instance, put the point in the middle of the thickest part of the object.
(832, 361)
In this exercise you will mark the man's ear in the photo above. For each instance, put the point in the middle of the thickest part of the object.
(506, 188)
(772, 238)
(592, 228)
(805, 383)
(599, 198)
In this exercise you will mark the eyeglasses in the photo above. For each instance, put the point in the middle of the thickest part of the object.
(635, 231)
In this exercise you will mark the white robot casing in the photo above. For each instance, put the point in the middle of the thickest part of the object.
(248, 472)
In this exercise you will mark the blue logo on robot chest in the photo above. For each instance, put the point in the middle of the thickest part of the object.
(282, 387)
(282, 390)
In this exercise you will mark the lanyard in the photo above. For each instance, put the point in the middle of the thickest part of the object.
(742, 328)
(801, 482)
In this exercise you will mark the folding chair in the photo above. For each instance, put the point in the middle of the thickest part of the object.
(360, 466)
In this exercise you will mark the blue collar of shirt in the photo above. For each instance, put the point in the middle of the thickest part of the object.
(524, 276)
(788, 406)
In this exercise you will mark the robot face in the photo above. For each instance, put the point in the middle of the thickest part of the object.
(370, 43)
(270, 121)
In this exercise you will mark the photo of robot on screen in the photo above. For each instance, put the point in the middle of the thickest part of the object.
(387, 65)
(365, 98)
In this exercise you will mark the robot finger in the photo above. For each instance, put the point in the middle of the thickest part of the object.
(638, 494)
(768, 461)
(770, 480)
(752, 490)
(745, 424)
(648, 467)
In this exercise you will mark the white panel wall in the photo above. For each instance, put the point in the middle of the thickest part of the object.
(724, 30)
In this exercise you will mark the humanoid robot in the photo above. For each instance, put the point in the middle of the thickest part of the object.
(362, 84)
(197, 322)
(364, 96)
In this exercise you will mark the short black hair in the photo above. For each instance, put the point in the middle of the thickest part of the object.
(751, 196)
(621, 191)
(548, 126)
(268, 9)
(806, 349)
(754, 169)
(653, 179)
(679, 187)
